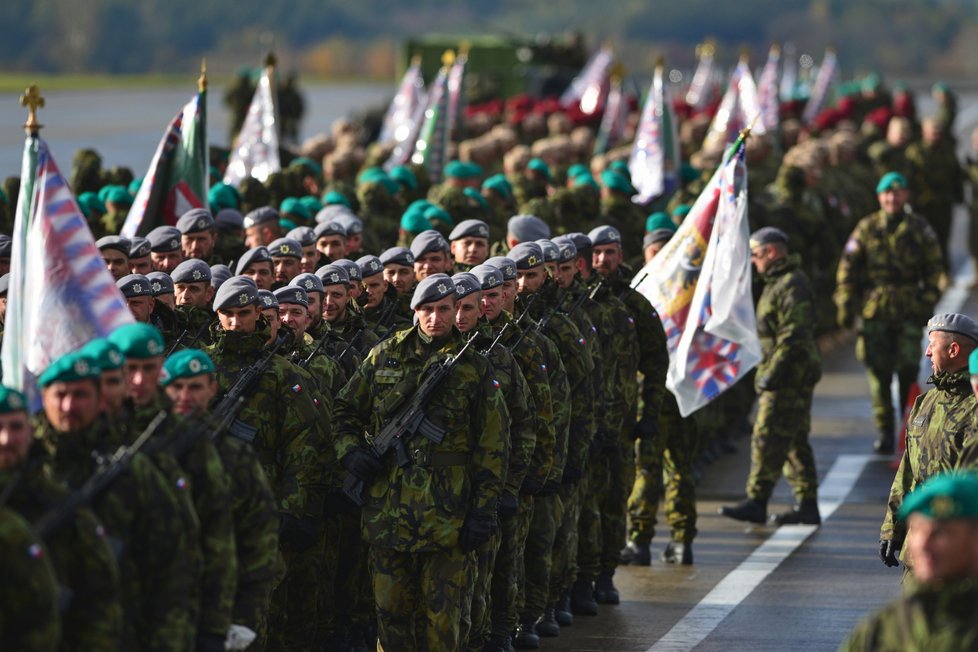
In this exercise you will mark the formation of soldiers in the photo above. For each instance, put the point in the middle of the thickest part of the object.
(292, 333)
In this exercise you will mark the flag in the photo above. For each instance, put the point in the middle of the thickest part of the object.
(700, 90)
(456, 97)
(823, 84)
(61, 295)
(789, 73)
(406, 108)
(767, 91)
(588, 89)
(654, 161)
(255, 151)
(738, 108)
(431, 147)
(613, 122)
(700, 284)
(178, 175)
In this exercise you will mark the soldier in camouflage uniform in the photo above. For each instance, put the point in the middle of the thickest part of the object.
(785, 381)
(29, 620)
(193, 294)
(141, 515)
(379, 299)
(618, 210)
(424, 520)
(939, 426)
(888, 275)
(941, 612)
(91, 614)
(349, 338)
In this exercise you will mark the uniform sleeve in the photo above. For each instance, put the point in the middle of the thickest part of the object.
(490, 449)
(306, 427)
(522, 427)
(29, 591)
(534, 370)
(848, 277)
(794, 336)
(579, 366)
(561, 394)
(893, 529)
(931, 268)
(353, 408)
(653, 353)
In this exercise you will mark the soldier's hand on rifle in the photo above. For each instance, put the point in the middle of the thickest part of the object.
(362, 464)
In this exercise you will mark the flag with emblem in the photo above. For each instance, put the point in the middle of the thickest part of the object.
(61, 294)
(587, 91)
(431, 147)
(701, 89)
(738, 108)
(255, 150)
(654, 160)
(767, 90)
(404, 115)
(822, 86)
(177, 179)
(615, 118)
(700, 284)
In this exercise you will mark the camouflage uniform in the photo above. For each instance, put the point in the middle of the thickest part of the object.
(785, 379)
(620, 212)
(413, 515)
(194, 323)
(386, 319)
(971, 172)
(889, 275)
(145, 525)
(83, 562)
(29, 618)
(937, 186)
(932, 617)
(940, 426)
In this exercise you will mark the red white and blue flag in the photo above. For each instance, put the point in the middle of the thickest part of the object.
(61, 294)
(255, 151)
(403, 118)
(654, 161)
(767, 90)
(589, 88)
(612, 129)
(431, 147)
(738, 109)
(700, 284)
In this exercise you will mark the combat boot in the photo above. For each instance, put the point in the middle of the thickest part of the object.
(562, 612)
(884, 444)
(804, 513)
(526, 636)
(604, 589)
(498, 643)
(582, 599)
(751, 510)
(636, 554)
(678, 553)
(548, 625)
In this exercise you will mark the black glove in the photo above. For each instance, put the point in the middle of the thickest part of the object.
(646, 428)
(531, 486)
(508, 504)
(572, 475)
(889, 552)
(296, 534)
(362, 464)
(476, 530)
(550, 488)
(210, 642)
(336, 503)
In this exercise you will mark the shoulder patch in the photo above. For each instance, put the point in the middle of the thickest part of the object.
(852, 245)
(297, 389)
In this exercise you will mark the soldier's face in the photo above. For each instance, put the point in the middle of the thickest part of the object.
(72, 405)
(761, 257)
(3, 307)
(433, 262)
(356, 289)
(240, 320)
(315, 307)
(310, 259)
(143, 379)
(295, 316)
(286, 269)
(942, 551)
(113, 386)
(332, 247)
(353, 243)
(198, 245)
(375, 287)
(260, 273)
(468, 309)
(141, 308)
(193, 294)
(400, 276)
(509, 295)
(470, 251)
(565, 273)
(437, 318)
(166, 261)
(274, 325)
(193, 394)
(945, 354)
(892, 200)
(531, 280)
(492, 303)
(334, 302)
(15, 439)
(116, 262)
(653, 249)
(606, 258)
(167, 299)
(142, 265)
(257, 236)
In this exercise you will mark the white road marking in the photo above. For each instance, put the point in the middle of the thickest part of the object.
(702, 619)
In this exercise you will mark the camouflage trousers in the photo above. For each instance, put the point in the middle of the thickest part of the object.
(295, 601)
(345, 599)
(476, 611)
(664, 470)
(252, 601)
(886, 349)
(537, 556)
(420, 598)
(563, 569)
(601, 528)
(780, 444)
(509, 566)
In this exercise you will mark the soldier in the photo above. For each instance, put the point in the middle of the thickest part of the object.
(379, 300)
(140, 513)
(256, 264)
(306, 237)
(313, 286)
(399, 269)
(348, 333)
(431, 254)
(469, 243)
(164, 297)
(230, 231)
(139, 258)
(423, 520)
(30, 592)
(293, 312)
(888, 275)
(261, 227)
(83, 561)
(330, 241)
(356, 279)
(189, 381)
(286, 254)
(940, 424)
(139, 296)
(198, 235)
(785, 381)
(941, 611)
(114, 250)
(165, 249)
(618, 210)
(193, 294)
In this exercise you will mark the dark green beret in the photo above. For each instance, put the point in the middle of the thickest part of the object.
(70, 368)
(106, 354)
(186, 364)
(11, 400)
(138, 341)
(944, 497)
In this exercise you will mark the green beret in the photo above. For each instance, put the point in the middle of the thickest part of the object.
(659, 221)
(286, 224)
(312, 204)
(134, 186)
(293, 206)
(138, 341)
(585, 179)
(3, 197)
(973, 363)
(500, 185)
(414, 221)
(681, 211)
(69, 368)
(310, 165)
(186, 364)
(103, 192)
(577, 170)
(476, 197)
(404, 176)
(621, 167)
(118, 195)
(106, 354)
(373, 174)
(944, 497)
(334, 197)
(462, 170)
(891, 180)
(689, 173)
(871, 82)
(539, 165)
(89, 203)
(12, 401)
(616, 181)
(940, 87)
(221, 195)
(433, 213)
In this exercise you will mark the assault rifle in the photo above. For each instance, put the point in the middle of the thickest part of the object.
(409, 420)
(200, 331)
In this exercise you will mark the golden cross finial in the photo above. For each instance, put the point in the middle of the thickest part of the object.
(33, 101)
(202, 80)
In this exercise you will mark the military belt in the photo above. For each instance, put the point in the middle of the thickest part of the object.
(434, 460)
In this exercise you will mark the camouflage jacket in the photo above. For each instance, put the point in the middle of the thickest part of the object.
(83, 562)
(422, 506)
(621, 341)
(284, 419)
(932, 617)
(328, 375)
(196, 327)
(29, 620)
(145, 525)
(786, 327)
(939, 179)
(889, 270)
(619, 211)
(940, 425)
(387, 318)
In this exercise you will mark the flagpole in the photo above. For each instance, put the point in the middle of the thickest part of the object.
(202, 95)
